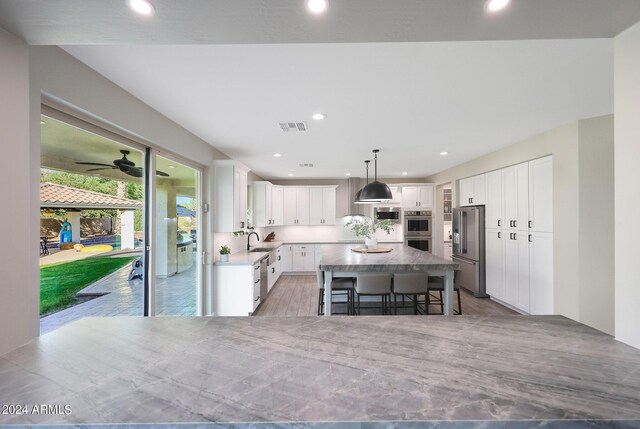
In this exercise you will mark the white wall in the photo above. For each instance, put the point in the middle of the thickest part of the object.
(19, 287)
(627, 189)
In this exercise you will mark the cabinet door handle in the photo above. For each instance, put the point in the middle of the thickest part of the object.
(256, 300)
(241, 224)
(470, 200)
(515, 223)
(273, 270)
(256, 268)
(515, 235)
(530, 224)
(279, 258)
(499, 236)
(498, 223)
(256, 282)
(530, 240)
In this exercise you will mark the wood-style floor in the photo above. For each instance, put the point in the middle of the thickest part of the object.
(298, 296)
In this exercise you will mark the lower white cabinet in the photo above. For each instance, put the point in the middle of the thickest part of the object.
(236, 289)
(494, 263)
(303, 258)
(541, 272)
(272, 275)
(287, 258)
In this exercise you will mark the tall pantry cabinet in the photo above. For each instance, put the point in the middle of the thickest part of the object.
(519, 236)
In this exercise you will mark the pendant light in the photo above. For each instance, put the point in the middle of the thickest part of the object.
(359, 193)
(376, 192)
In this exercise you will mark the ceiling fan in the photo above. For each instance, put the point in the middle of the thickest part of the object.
(123, 164)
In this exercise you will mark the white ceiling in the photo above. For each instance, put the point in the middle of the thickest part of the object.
(411, 100)
(441, 75)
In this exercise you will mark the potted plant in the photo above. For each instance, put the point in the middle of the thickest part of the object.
(367, 227)
(224, 253)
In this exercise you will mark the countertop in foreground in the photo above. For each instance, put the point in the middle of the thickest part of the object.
(325, 369)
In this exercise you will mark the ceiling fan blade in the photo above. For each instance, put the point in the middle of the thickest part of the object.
(102, 168)
(94, 163)
(134, 171)
(161, 173)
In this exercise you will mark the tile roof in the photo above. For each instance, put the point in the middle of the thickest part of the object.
(59, 196)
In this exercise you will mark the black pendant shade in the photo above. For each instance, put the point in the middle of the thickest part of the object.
(359, 193)
(375, 192)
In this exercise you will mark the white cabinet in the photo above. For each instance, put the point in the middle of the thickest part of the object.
(494, 209)
(303, 258)
(516, 196)
(287, 258)
(541, 272)
(236, 289)
(322, 206)
(272, 275)
(267, 204)
(277, 205)
(519, 236)
(296, 206)
(419, 196)
(230, 184)
(472, 190)
(494, 263)
(541, 195)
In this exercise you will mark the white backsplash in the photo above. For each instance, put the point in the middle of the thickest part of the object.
(336, 232)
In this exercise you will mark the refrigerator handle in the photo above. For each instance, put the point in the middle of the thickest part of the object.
(463, 225)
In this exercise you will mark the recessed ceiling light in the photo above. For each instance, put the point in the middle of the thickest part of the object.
(348, 174)
(142, 7)
(444, 153)
(404, 173)
(290, 174)
(317, 6)
(277, 155)
(319, 116)
(496, 5)
(172, 166)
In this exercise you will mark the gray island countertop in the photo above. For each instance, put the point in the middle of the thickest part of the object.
(340, 257)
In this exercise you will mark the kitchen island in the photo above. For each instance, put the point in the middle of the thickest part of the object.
(339, 260)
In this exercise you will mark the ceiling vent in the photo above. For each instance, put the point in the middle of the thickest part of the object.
(307, 165)
(293, 126)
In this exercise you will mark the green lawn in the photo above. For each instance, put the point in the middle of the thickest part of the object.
(59, 283)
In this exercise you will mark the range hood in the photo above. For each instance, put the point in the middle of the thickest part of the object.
(354, 185)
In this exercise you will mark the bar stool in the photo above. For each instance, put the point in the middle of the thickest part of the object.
(411, 284)
(436, 284)
(374, 284)
(340, 286)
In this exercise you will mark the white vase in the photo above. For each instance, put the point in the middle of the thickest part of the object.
(371, 243)
(224, 258)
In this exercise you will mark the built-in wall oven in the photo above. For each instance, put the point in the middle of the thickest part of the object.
(417, 229)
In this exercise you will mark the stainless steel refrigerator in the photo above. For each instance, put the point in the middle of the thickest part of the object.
(468, 248)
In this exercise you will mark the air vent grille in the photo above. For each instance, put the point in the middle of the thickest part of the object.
(293, 126)
(307, 164)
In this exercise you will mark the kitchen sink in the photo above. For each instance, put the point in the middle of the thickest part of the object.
(261, 249)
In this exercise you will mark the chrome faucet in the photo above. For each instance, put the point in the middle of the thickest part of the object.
(249, 238)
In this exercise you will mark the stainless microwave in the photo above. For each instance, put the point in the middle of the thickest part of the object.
(387, 213)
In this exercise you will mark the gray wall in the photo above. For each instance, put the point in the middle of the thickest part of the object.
(19, 287)
(571, 277)
(596, 229)
(627, 193)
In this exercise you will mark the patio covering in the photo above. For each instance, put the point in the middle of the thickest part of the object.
(65, 197)
(182, 211)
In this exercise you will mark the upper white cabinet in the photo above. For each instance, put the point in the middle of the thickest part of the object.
(541, 195)
(268, 203)
(322, 205)
(230, 183)
(516, 196)
(472, 190)
(296, 205)
(417, 197)
(494, 211)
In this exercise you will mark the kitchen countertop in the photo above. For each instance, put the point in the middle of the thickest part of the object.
(340, 257)
(326, 369)
(245, 257)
